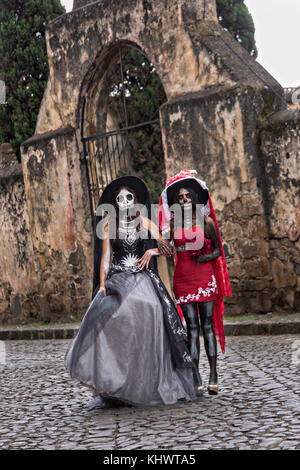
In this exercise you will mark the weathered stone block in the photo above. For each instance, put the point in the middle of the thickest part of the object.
(283, 274)
(257, 284)
(232, 231)
(256, 228)
(294, 255)
(251, 205)
(281, 173)
(260, 303)
(289, 297)
(235, 268)
(258, 267)
(254, 247)
(4, 306)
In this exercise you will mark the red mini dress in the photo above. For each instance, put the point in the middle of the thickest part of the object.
(193, 282)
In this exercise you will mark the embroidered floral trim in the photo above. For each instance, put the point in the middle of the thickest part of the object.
(187, 357)
(201, 293)
(124, 267)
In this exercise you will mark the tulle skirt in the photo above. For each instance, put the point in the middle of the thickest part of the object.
(131, 345)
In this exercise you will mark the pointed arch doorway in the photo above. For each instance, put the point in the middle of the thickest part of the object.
(120, 128)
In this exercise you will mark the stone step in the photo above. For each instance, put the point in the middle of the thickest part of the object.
(231, 329)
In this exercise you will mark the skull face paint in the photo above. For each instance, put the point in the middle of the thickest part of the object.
(185, 198)
(125, 200)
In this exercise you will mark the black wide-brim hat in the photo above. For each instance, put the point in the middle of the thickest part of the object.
(131, 181)
(188, 183)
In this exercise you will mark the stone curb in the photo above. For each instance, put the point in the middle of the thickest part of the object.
(37, 333)
(231, 329)
(262, 328)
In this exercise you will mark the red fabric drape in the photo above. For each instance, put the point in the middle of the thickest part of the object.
(223, 283)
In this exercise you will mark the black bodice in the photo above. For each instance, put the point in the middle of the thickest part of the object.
(127, 249)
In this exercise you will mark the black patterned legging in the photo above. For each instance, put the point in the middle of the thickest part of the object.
(190, 313)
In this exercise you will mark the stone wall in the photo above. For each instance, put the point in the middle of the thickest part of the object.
(211, 131)
(189, 49)
(46, 248)
(255, 190)
(60, 225)
(280, 154)
(17, 273)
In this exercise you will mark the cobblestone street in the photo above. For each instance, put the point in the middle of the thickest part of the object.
(257, 407)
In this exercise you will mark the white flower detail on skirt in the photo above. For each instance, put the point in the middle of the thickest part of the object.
(212, 288)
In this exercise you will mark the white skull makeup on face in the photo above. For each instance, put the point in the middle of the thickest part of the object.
(125, 200)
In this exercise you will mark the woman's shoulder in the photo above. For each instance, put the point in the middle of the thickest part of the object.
(209, 221)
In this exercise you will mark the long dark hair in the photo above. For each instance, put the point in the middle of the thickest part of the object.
(194, 195)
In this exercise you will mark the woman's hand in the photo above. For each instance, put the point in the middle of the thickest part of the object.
(164, 247)
(102, 289)
(201, 259)
(145, 259)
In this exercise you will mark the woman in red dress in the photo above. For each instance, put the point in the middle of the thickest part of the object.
(200, 277)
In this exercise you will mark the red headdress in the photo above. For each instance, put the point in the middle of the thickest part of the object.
(220, 266)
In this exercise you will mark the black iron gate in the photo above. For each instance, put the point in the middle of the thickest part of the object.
(108, 154)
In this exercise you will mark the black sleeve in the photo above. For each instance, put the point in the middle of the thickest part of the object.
(211, 232)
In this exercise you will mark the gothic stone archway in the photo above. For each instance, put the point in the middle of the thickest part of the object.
(120, 121)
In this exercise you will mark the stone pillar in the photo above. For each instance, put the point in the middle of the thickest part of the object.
(280, 152)
(60, 224)
(17, 273)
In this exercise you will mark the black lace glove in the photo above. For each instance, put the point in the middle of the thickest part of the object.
(210, 232)
(213, 255)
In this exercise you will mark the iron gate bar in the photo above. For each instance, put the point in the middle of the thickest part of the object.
(125, 111)
(119, 153)
(122, 78)
(121, 131)
(114, 153)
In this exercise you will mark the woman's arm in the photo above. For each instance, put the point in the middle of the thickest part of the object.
(105, 259)
(163, 244)
(164, 247)
(210, 229)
